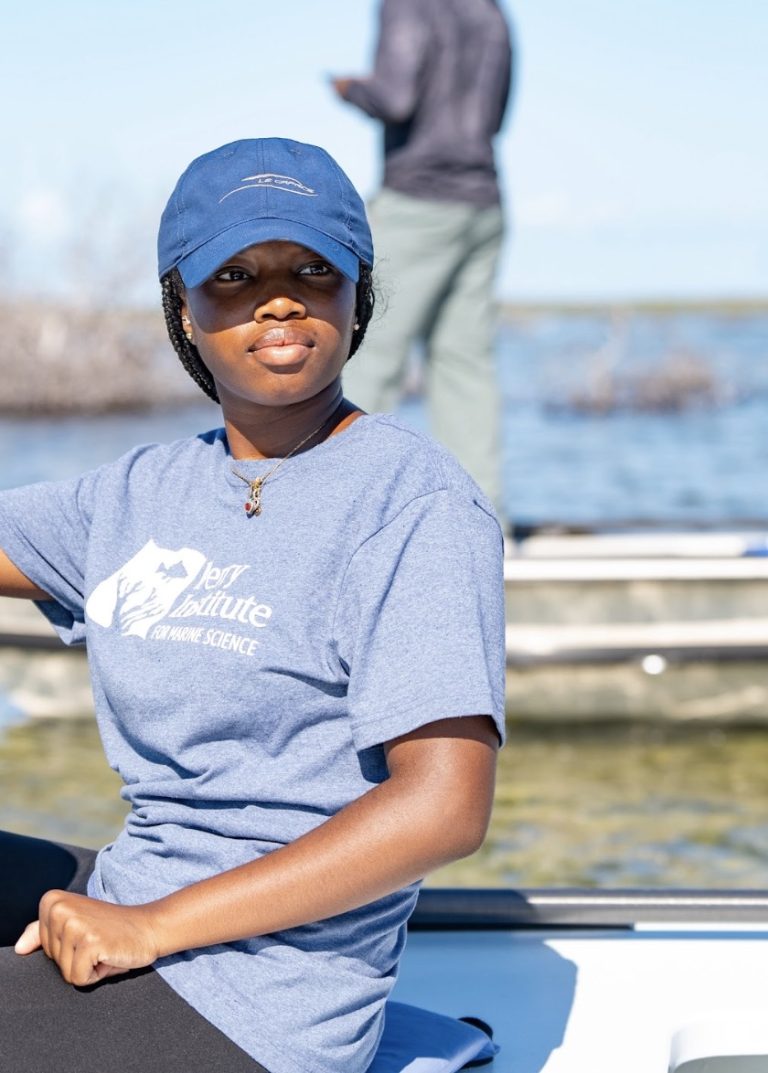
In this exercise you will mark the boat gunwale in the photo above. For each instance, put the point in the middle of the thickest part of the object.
(575, 571)
(714, 653)
(492, 908)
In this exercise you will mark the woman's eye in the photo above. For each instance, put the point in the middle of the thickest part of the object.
(231, 275)
(316, 268)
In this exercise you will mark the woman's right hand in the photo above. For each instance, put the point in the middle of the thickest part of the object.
(90, 939)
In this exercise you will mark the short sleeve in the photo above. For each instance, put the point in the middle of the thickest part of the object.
(44, 531)
(420, 620)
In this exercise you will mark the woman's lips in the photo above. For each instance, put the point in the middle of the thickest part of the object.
(282, 345)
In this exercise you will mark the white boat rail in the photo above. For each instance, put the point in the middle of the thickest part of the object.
(486, 908)
(714, 641)
(527, 570)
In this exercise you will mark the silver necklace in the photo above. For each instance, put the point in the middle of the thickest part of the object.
(253, 503)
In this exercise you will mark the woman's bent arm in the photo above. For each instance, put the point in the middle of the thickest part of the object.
(14, 583)
(433, 809)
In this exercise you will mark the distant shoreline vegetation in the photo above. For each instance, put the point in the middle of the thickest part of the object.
(59, 360)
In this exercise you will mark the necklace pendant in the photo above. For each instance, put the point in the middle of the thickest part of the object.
(253, 506)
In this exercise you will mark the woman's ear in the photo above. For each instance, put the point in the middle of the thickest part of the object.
(186, 323)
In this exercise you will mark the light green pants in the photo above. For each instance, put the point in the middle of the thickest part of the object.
(436, 264)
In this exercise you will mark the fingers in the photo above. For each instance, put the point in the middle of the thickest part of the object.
(66, 939)
(48, 936)
(80, 965)
(29, 940)
(60, 930)
(102, 971)
(76, 955)
(63, 942)
(89, 939)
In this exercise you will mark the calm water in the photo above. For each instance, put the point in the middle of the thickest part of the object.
(566, 457)
(706, 463)
(641, 806)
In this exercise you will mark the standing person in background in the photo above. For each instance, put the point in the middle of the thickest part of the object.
(440, 86)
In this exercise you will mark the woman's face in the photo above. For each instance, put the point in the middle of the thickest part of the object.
(273, 324)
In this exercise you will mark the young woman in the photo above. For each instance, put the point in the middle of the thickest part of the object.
(295, 632)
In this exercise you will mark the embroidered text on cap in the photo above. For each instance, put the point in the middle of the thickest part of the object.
(277, 182)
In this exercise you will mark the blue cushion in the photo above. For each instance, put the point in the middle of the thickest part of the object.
(419, 1041)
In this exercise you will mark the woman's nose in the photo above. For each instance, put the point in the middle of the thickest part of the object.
(279, 307)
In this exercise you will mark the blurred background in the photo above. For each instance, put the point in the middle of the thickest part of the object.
(632, 347)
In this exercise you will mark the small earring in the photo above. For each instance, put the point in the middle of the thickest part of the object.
(357, 327)
(189, 336)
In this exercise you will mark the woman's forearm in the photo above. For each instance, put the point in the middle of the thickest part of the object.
(390, 837)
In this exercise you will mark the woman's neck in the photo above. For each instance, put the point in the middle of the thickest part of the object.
(274, 432)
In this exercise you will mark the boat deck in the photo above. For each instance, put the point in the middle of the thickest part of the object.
(593, 1001)
(646, 999)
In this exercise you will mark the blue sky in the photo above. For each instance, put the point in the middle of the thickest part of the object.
(634, 161)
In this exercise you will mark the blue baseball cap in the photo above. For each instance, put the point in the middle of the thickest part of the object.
(262, 190)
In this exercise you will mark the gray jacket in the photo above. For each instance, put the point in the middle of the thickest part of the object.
(440, 85)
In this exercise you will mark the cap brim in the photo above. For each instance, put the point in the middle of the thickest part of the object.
(201, 263)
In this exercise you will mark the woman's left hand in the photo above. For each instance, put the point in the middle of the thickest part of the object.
(88, 939)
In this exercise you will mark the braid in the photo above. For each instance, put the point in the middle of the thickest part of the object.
(172, 287)
(364, 302)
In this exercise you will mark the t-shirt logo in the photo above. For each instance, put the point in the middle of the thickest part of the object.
(144, 590)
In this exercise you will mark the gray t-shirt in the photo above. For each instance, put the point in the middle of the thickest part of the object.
(440, 85)
(246, 672)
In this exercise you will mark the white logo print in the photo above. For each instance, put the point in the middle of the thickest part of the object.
(145, 589)
(182, 587)
(277, 182)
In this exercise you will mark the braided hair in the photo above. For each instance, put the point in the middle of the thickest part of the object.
(172, 288)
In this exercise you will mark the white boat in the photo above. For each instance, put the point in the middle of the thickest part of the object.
(598, 981)
(620, 625)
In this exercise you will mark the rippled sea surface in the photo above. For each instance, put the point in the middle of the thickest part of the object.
(646, 418)
(607, 418)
